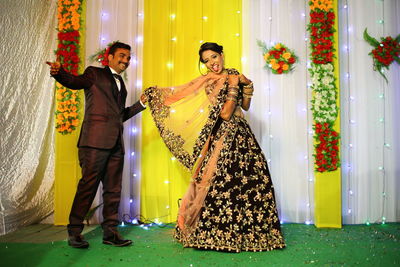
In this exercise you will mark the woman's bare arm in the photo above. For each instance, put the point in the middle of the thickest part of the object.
(231, 100)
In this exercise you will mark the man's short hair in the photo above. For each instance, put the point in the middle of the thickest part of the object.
(117, 45)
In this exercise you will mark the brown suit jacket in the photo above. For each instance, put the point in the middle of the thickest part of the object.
(103, 121)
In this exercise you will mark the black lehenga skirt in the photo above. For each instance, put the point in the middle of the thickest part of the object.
(239, 211)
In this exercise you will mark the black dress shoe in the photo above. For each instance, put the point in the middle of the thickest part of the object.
(116, 241)
(77, 241)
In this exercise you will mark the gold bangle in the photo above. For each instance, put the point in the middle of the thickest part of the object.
(247, 96)
(250, 85)
(231, 98)
(248, 91)
(234, 93)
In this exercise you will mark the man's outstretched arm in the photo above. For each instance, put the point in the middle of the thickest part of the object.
(69, 80)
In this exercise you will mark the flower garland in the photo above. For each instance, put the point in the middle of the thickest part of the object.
(68, 101)
(385, 52)
(324, 102)
(279, 59)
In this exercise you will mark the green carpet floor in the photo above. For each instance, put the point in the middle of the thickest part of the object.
(356, 245)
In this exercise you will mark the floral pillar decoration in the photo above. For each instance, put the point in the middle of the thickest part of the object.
(325, 93)
(68, 101)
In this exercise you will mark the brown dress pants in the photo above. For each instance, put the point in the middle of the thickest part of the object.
(98, 165)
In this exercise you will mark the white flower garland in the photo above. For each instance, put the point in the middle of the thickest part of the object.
(324, 105)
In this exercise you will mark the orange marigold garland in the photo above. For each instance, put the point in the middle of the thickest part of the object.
(68, 102)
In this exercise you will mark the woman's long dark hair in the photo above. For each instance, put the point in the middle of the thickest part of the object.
(209, 46)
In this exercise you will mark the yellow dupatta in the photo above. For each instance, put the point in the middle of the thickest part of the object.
(186, 114)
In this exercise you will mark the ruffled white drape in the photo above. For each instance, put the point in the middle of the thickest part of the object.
(28, 39)
(108, 21)
(370, 110)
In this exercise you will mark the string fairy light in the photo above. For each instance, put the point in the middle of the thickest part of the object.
(310, 132)
(349, 101)
(303, 111)
(269, 95)
(172, 42)
(385, 146)
(134, 139)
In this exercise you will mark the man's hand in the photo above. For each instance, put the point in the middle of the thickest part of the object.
(54, 67)
(143, 98)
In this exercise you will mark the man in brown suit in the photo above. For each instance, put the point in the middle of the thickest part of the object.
(100, 145)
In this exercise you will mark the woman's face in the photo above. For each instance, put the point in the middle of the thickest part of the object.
(213, 61)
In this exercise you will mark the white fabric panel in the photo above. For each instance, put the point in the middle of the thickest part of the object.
(28, 39)
(373, 100)
(122, 20)
(284, 133)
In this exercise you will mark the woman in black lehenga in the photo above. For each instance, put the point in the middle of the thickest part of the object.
(230, 203)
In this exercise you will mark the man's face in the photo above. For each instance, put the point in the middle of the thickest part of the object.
(120, 60)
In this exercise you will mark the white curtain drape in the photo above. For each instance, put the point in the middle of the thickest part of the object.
(108, 21)
(28, 38)
(370, 110)
(280, 111)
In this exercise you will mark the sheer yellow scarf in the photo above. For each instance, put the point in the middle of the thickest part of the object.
(185, 115)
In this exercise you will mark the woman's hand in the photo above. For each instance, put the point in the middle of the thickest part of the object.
(243, 80)
(233, 80)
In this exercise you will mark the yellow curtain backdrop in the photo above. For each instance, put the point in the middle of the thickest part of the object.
(328, 191)
(67, 169)
(173, 33)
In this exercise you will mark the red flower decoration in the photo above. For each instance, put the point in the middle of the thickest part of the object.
(327, 149)
(102, 55)
(385, 52)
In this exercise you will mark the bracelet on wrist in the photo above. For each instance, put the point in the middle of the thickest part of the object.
(247, 96)
(234, 93)
(231, 98)
(250, 85)
(248, 91)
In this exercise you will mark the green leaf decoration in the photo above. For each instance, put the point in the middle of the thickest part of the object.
(398, 38)
(262, 45)
(93, 58)
(380, 70)
(371, 40)
(91, 212)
